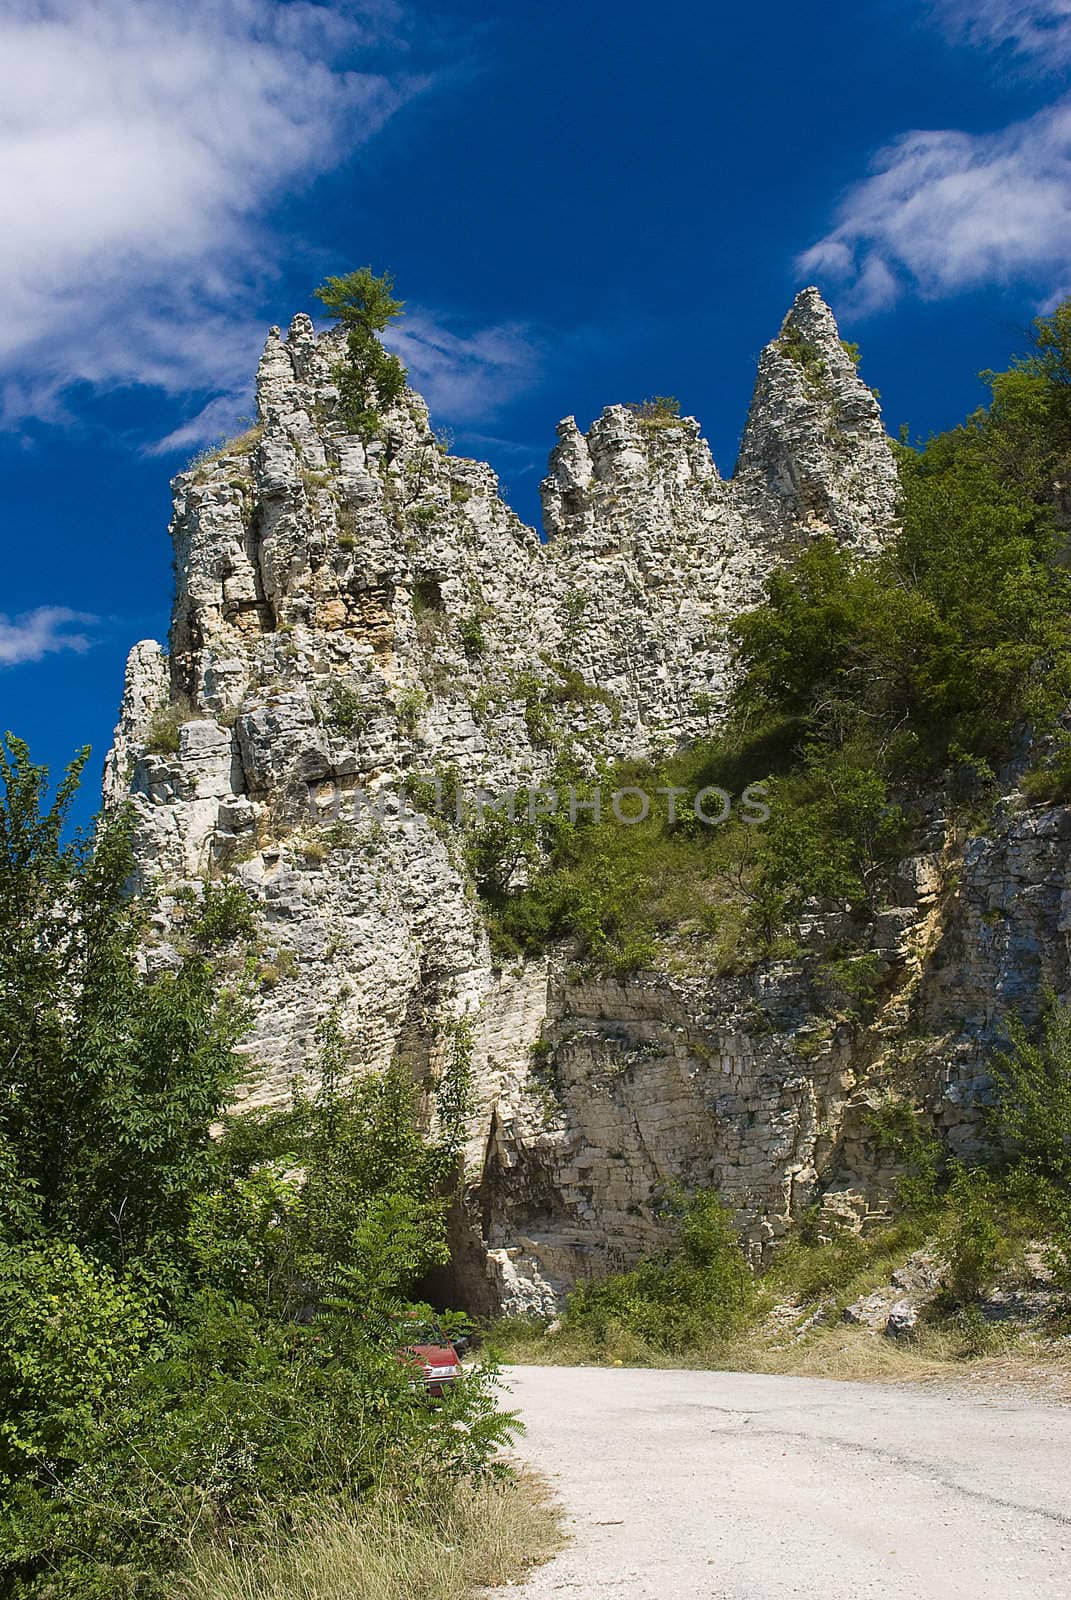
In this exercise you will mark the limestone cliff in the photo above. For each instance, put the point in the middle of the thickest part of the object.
(349, 614)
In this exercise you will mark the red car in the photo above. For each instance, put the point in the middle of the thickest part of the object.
(428, 1350)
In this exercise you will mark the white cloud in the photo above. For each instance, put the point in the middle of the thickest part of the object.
(464, 376)
(41, 632)
(1039, 30)
(945, 211)
(142, 147)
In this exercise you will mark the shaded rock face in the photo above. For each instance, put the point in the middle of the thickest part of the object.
(351, 615)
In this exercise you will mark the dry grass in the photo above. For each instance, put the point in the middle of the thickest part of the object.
(940, 1355)
(244, 444)
(479, 1537)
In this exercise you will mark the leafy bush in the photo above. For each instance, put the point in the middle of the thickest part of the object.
(343, 710)
(1049, 780)
(659, 411)
(701, 1291)
(956, 636)
(799, 349)
(976, 1240)
(195, 1333)
(470, 632)
(1032, 1115)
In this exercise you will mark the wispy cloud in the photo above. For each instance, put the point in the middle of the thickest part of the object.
(946, 211)
(42, 632)
(143, 147)
(943, 210)
(465, 375)
(1037, 30)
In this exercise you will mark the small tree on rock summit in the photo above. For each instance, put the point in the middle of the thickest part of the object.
(370, 377)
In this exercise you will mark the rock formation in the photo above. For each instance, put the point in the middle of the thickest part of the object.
(349, 616)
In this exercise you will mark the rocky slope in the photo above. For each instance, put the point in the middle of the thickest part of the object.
(351, 616)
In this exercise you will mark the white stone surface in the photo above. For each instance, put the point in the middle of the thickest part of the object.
(326, 591)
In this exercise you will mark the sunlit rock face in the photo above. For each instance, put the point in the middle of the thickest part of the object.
(350, 615)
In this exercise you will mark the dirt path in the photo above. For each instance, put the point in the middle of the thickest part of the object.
(733, 1486)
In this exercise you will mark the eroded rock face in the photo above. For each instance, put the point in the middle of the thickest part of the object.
(815, 457)
(350, 615)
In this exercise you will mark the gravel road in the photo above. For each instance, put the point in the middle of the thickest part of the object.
(731, 1486)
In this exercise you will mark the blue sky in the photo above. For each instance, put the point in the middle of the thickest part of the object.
(581, 202)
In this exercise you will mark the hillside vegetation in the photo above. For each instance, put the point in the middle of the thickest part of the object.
(200, 1318)
(873, 695)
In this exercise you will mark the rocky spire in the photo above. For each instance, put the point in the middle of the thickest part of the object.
(815, 457)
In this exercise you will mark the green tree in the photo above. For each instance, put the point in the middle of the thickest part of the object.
(108, 1084)
(954, 640)
(1032, 1114)
(370, 378)
(193, 1331)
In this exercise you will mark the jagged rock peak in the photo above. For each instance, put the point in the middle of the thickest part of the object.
(814, 320)
(815, 456)
(355, 612)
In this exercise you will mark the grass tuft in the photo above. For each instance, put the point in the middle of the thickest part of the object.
(477, 1536)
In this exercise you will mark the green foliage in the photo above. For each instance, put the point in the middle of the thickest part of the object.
(110, 1084)
(427, 597)
(700, 1291)
(1049, 781)
(1032, 1115)
(343, 710)
(166, 725)
(194, 1332)
(897, 1128)
(658, 411)
(470, 632)
(616, 889)
(953, 640)
(798, 348)
(496, 849)
(821, 1261)
(408, 704)
(975, 1239)
(370, 378)
(544, 696)
(224, 915)
(1024, 1191)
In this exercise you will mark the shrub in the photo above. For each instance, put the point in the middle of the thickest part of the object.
(1050, 780)
(1032, 1114)
(800, 350)
(699, 1292)
(659, 411)
(897, 1128)
(162, 737)
(976, 1240)
(408, 704)
(470, 632)
(225, 914)
(343, 710)
(195, 1333)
